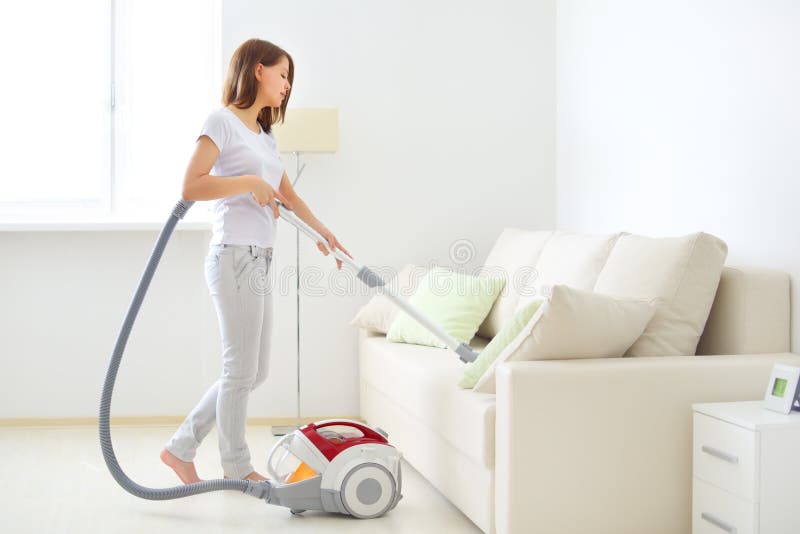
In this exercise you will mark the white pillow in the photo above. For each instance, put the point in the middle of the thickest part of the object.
(682, 272)
(574, 324)
(377, 314)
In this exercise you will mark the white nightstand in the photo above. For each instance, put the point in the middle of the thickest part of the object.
(746, 470)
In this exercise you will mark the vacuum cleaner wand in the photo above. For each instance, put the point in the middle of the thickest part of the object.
(372, 279)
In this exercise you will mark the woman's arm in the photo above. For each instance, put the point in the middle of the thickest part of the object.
(198, 184)
(302, 211)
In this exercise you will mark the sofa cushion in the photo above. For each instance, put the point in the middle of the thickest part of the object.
(569, 259)
(681, 272)
(473, 371)
(456, 302)
(422, 380)
(574, 324)
(513, 256)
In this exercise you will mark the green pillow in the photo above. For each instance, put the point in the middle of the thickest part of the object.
(457, 302)
(506, 335)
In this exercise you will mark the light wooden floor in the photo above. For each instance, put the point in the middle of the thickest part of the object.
(55, 480)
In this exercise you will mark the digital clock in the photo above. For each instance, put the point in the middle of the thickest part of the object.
(782, 388)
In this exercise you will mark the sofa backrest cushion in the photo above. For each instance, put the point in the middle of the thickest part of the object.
(681, 272)
(513, 257)
(569, 259)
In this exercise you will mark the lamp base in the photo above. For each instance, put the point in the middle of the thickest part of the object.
(282, 430)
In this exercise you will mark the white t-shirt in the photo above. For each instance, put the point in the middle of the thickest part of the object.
(240, 220)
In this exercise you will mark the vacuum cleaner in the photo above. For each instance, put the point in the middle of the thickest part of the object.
(338, 466)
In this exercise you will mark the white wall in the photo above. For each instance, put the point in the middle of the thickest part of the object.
(447, 132)
(678, 116)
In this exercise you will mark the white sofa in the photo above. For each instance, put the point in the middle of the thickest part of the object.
(583, 445)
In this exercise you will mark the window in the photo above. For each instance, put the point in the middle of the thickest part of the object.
(167, 79)
(102, 104)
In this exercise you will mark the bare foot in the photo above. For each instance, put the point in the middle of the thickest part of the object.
(256, 476)
(185, 470)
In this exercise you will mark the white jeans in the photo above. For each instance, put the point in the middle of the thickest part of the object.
(237, 277)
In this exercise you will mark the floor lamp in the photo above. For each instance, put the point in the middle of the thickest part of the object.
(305, 130)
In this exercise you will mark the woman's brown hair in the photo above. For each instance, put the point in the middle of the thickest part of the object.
(241, 86)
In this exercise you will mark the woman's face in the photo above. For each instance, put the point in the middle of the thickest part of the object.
(273, 82)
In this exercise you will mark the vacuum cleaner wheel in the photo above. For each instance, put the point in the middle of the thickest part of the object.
(368, 491)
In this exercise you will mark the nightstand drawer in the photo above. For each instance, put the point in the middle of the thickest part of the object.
(715, 511)
(725, 455)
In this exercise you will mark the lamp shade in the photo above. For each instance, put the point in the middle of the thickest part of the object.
(308, 130)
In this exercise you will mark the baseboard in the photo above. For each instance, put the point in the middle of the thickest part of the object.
(161, 420)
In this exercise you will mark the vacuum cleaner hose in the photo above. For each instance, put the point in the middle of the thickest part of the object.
(257, 489)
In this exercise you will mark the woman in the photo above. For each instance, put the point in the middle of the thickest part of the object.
(236, 163)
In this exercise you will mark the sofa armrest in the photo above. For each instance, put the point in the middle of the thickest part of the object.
(751, 313)
(605, 445)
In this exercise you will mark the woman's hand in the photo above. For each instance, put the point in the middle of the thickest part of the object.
(264, 194)
(333, 243)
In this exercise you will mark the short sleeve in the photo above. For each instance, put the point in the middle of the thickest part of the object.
(217, 129)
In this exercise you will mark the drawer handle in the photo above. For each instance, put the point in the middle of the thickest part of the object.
(718, 523)
(731, 459)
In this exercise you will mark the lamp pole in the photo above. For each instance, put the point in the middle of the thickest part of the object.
(282, 430)
(304, 130)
